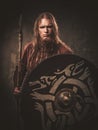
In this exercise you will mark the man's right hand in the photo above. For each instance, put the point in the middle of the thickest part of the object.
(17, 91)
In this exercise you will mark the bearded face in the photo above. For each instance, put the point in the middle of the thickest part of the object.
(45, 30)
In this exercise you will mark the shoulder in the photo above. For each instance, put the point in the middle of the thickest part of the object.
(28, 45)
(64, 48)
(28, 48)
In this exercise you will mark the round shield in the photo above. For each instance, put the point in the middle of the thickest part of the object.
(60, 92)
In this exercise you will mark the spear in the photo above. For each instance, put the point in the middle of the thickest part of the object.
(20, 38)
(18, 71)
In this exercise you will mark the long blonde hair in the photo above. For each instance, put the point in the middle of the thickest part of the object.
(55, 35)
(49, 16)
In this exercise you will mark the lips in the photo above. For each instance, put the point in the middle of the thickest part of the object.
(46, 36)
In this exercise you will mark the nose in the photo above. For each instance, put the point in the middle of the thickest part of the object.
(46, 29)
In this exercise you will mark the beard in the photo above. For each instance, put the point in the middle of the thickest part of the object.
(48, 44)
(46, 40)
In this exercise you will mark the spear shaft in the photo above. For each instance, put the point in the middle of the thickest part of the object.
(20, 38)
(18, 73)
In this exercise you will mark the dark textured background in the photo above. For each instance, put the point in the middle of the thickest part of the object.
(78, 25)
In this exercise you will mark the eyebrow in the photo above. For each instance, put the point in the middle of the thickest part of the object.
(49, 26)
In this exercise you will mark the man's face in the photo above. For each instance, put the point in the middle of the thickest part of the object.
(45, 29)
